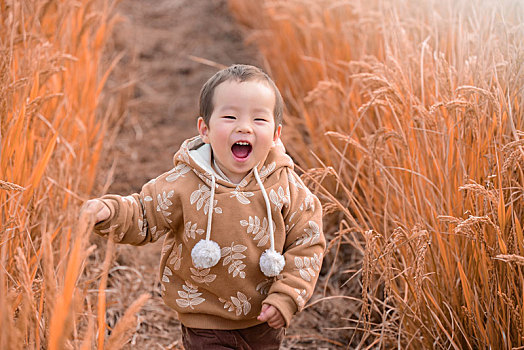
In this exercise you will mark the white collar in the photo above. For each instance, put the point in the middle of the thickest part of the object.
(220, 173)
(202, 156)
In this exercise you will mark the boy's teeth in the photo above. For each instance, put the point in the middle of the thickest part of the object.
(243, 143)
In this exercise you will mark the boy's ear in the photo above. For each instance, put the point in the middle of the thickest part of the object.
(202, 129)
(277, 132)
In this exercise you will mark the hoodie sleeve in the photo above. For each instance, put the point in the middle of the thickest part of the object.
(303, 251)
(139, 218)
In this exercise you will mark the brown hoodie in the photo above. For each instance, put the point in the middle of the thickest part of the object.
(230, 294)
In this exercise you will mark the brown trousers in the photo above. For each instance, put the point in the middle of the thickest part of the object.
(252, 338)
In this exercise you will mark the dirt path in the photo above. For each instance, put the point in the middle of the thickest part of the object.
(162, 37)
(159, 38)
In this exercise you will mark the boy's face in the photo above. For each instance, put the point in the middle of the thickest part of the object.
(241, 129)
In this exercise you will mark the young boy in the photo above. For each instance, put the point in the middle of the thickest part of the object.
(244, 241)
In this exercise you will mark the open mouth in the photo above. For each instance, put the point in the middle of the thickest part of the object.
(241, 149)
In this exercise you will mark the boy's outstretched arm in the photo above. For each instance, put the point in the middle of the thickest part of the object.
(139, 218)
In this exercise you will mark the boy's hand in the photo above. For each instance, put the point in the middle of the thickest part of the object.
(272, 316)
(98, 208)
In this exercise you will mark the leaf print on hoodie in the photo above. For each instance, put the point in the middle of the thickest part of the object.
(202, 275)
(164, 202)
(241, 195)
(266, 170)
(233, 255)
(142, 225)
(302, 296)
(261, 232)
(263, 287)
(178, 172)
(175, 258)
(312, 234)
(307, 266)
(201, 198)
(190, 296)
(309, 203)
(157, 233)
(295, 181)
(191, 230)
(239, 304)
(142, 221)
(279, 198)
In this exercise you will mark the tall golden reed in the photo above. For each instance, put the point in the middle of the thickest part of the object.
(413, 108)
(51, 134)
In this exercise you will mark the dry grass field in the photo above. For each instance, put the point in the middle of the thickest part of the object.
(405, 117)
(51, 135)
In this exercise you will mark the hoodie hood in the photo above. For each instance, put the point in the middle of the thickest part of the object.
(196, 155)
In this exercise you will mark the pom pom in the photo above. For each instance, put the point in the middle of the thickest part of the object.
(205, 254)
(271, 263)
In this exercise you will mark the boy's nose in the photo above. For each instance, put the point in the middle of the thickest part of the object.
(244, 127)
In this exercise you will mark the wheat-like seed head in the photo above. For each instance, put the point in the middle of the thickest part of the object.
(4, 185)
(421, 247)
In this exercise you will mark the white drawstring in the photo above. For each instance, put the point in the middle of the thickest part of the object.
(268, 208)
(211, 203)
(271, 262)
(206, 253)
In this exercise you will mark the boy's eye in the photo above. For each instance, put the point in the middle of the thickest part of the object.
(228, 117)
(261, 119)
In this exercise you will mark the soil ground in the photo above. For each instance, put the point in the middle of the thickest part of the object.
(158, 40)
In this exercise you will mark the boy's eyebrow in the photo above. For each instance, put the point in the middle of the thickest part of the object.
(228, 107)
(236, 109)
(263, 110)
